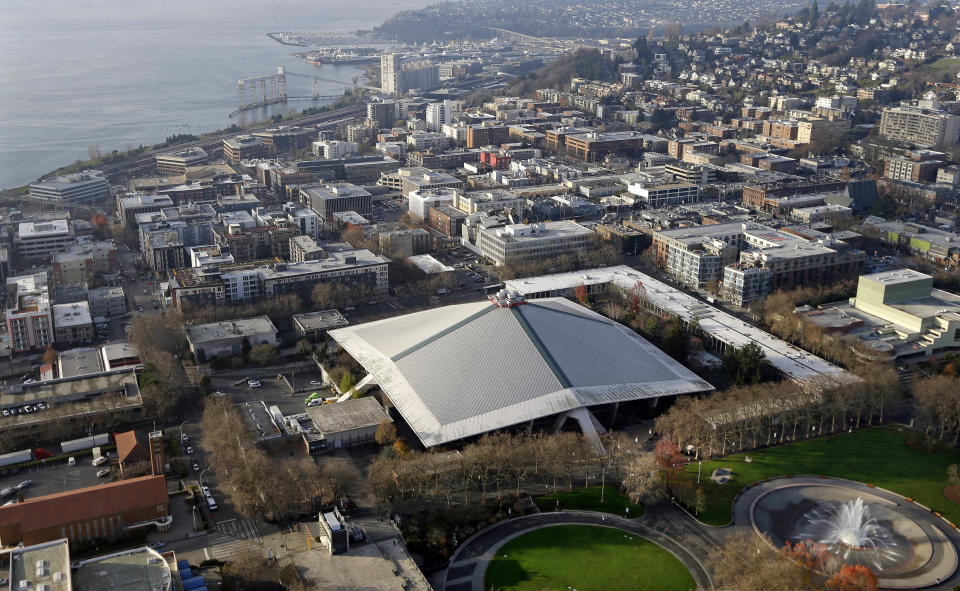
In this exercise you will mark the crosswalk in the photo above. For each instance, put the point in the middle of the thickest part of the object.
(221, 547)
(243, 529)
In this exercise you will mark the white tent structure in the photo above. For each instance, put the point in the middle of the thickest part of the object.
(463, 370)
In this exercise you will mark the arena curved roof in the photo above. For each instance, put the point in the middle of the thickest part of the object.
(466, 369)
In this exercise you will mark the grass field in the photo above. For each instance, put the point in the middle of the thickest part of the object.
(877, 456)
(585, 558)
(588, 499)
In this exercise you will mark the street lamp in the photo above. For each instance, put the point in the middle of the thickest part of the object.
(201, 477)
(181, 430)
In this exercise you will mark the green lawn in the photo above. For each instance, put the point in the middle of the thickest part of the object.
(877, 456)
(588, 499)
(585, 558)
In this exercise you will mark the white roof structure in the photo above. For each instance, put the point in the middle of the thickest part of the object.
(467, 369)
(795, 363)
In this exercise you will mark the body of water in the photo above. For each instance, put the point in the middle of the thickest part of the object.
(115, 74)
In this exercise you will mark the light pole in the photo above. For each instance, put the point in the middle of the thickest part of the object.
(201, 477)
(181, 431)
(699, 467)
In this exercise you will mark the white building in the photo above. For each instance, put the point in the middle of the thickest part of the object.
(439, 114)
(305, 218)
(420, 202)
(333, 149)
(89, 186)
(427, 141)
(655, 196)
(515, 243)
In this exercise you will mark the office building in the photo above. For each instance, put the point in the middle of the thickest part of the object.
(408, 180)
(420, 202)
(659, 195)
(178, 161)
(243, 147)
(331, 198)
(89, 186)
(517, 243)
(36, 241)
(284, 140)
(128, 208)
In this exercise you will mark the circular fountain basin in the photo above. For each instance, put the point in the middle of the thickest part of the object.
(853, 527)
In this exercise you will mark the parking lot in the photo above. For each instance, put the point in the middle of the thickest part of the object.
(55, 477)
(272, 391)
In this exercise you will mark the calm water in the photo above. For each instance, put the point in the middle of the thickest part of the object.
(120, 73)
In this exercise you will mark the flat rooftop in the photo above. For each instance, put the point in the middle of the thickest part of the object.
(76, 314)
(79, 362)
(140, 569)
(47, 563)
(896, 276)
(321, 320)
(205, 333)
(352, 414)
(428, 264)
(43, 229)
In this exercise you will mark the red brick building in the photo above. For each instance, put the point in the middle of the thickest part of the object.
(88, 513)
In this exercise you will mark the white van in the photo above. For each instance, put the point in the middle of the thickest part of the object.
(99, 461)
(72, 461)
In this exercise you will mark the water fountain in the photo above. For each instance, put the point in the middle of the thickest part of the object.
(849, 532)
(901, 543)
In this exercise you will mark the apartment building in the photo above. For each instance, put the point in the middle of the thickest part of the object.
(243, 147)
(330, 198)
(924, 127)
(29, 318)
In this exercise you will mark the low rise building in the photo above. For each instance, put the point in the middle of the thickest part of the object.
(344, 424)
(89, 186)
(87, 514)
(107, 301)
(128, 208)
(228, 338)
(72, 323)
(177, 162)
(660, 195)
(243, 147)
(36, 241)
(314, 325)
(331, 198)
(517, 243)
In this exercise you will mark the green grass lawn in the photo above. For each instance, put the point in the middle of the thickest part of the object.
(588, 499)
(585, 558)
(877, 456)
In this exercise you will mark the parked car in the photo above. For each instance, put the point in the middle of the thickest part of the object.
(24, 484)
(206, 491)
(253, 383)
(212, 504)
(189, 450)
(185, 438)
(315, 402)
(72, 461)
(158, 545)
(196, 467)
(99, 461)
(103, 473)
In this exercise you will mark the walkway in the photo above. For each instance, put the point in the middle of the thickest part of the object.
(468, 566)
